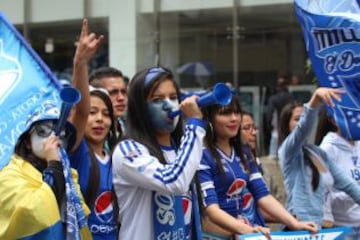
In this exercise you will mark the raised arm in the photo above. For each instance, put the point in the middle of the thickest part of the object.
(86, 49)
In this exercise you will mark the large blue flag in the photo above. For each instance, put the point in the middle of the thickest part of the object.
(332, 37)
(25, 82)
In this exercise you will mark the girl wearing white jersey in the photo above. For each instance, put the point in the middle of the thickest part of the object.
(340, 208)
(154, 165)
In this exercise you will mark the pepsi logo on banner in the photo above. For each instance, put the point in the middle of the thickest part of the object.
(25, 82)
(332, 39)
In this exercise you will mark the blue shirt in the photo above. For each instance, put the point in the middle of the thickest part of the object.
(101, 220)
(236, 191)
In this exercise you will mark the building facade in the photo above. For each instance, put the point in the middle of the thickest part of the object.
(247, 43)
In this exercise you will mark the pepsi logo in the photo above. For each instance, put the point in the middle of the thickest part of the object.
(248, 201)
(104, 207)
(236, 187)
(187, 207)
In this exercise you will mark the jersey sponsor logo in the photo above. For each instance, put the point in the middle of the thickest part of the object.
(236, 188)
(104, 207)
(187, 206)
(104, 229)
(165, 213)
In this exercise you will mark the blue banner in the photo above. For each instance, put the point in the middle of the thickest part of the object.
(25, 82)
(332, 38)
(324, 234)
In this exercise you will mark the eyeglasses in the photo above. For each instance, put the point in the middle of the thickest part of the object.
(152, 74)
(249, 127)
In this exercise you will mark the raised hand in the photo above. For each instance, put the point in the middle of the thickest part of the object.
(87, 46)
(326, 95)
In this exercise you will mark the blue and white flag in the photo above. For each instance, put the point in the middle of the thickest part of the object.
(332, 37)
(324, 234)
(25, 82)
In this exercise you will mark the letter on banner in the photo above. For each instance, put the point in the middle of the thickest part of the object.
(25, 82)
(332, 38)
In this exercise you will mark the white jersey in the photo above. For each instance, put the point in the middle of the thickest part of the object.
(137, 175)
(340, 208)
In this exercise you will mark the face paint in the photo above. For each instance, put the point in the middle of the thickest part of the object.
(159, 110)
(39, 133)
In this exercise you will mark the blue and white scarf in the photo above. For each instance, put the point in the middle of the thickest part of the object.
(74, 215)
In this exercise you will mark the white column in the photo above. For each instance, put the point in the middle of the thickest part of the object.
(122, 35)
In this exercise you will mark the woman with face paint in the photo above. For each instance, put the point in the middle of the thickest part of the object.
(33, 199)
(154, 165)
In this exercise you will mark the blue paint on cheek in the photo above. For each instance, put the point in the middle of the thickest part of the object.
(158, 115)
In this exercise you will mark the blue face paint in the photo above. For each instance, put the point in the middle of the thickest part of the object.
(159, 110)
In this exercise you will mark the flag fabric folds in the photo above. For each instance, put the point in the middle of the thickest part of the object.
(25, 82)
(332, 39)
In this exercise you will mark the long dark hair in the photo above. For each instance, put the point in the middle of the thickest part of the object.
(111, 140)
(284, 120)
(325, 125)
(137, 126)
(210, 138)
(284, 131)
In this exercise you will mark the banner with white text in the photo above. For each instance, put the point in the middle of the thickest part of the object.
(25, 82)
(332, 38)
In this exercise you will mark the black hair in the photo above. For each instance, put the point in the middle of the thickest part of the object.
(111, 140)
(137, 127)
(284, 119)
(284, 131)
(210, 137)
(325, 124)
(98, 74)
(253, 151)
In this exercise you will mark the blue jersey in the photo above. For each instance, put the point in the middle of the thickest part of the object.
(236, 191)
(101, 220)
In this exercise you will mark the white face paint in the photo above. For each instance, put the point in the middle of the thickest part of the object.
(37, 145)
(38, 134)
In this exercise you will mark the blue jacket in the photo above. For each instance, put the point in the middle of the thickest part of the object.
(302, 201)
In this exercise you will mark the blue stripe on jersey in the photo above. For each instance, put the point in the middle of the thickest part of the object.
(169, 170)
(178, 167)
(129, 149)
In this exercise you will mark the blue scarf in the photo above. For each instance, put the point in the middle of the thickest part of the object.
(74, 215)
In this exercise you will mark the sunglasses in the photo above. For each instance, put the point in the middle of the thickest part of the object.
(45, 128)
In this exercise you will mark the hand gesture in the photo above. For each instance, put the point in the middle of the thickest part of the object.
(87, 46)
(326, 95)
